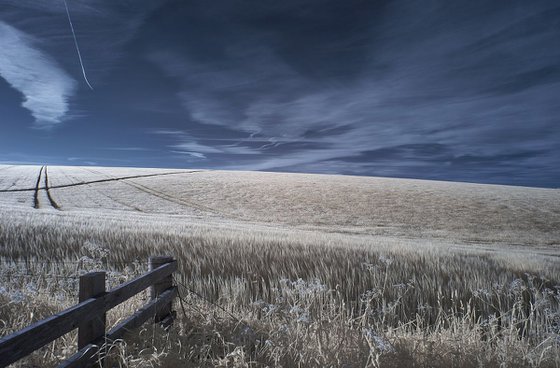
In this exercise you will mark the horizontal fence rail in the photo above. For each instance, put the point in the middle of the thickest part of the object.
(89, 315)
(88, 352)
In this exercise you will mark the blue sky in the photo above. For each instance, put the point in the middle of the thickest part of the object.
(461, 90)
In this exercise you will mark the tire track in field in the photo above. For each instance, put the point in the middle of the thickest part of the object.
(97, 181)
(36, 189)
(134, 208)
(101, 193)
(159, 194)
(167, 197)
(97, 193)
(47, 189)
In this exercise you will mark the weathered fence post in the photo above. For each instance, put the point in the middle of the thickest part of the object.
(91, 285)
(89, 316)
(164, 312)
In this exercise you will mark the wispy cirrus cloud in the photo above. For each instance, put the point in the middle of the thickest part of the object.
(38, 55)
(45, 86)
(391, 95)
(199, 148)
(462, 91)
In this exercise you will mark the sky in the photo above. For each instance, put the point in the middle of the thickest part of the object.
(464, 90)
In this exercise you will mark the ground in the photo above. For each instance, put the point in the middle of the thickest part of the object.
(387, 249)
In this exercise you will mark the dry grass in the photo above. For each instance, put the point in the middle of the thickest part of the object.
(326, 203)
(316, 294)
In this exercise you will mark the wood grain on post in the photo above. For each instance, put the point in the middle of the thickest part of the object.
(23, 342)
(87, 353)
(91, 285)
(160, 286)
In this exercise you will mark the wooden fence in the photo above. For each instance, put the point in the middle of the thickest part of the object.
(89, 315)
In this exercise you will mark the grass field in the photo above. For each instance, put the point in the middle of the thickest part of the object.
(292, 270)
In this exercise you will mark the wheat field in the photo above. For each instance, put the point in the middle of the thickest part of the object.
(291, 270)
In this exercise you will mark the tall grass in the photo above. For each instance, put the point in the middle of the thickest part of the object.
(288, 299)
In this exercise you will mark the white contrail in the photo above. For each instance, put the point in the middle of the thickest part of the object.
(76, 43)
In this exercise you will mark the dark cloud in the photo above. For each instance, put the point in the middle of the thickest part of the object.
(462, 90)
(511, 160)
(415, 152)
